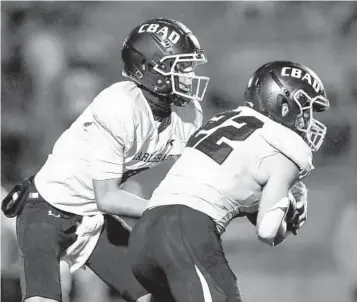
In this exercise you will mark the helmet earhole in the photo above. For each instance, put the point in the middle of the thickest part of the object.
(285, 109)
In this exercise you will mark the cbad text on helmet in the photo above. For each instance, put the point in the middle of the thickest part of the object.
(158, 29)
(303, 75)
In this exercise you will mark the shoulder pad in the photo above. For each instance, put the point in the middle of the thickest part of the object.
(290, 144)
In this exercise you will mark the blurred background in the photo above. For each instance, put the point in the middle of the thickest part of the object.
(56, 56)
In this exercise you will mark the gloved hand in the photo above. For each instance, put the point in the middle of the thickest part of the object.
(299, 192)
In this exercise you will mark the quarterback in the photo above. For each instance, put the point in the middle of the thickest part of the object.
(64, 211)
(246, 162)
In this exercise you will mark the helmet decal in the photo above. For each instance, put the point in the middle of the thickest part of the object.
(163, 31)
(310, 77)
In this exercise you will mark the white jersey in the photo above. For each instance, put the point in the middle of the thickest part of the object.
(116, 136)
(217, 171)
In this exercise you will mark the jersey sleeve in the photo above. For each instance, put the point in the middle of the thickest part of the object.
(111, 134)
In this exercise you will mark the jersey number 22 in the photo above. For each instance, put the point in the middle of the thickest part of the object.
(212, 144)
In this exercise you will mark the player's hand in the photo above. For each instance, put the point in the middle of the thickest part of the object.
(299, 192)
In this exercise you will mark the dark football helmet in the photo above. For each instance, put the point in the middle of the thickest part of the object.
(289, 93)
(161, 56)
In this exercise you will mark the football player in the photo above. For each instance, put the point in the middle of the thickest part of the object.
(244, 162)
(129, 127)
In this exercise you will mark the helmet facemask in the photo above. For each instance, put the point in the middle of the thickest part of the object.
(179, 70)
(313, 130)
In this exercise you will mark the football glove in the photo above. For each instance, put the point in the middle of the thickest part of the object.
(299, 192)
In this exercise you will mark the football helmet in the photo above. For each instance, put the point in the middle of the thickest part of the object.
(289, 93)
(161, 55)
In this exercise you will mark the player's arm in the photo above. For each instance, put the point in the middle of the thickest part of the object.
(279, 174)
(115, 201)
(111, 134)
